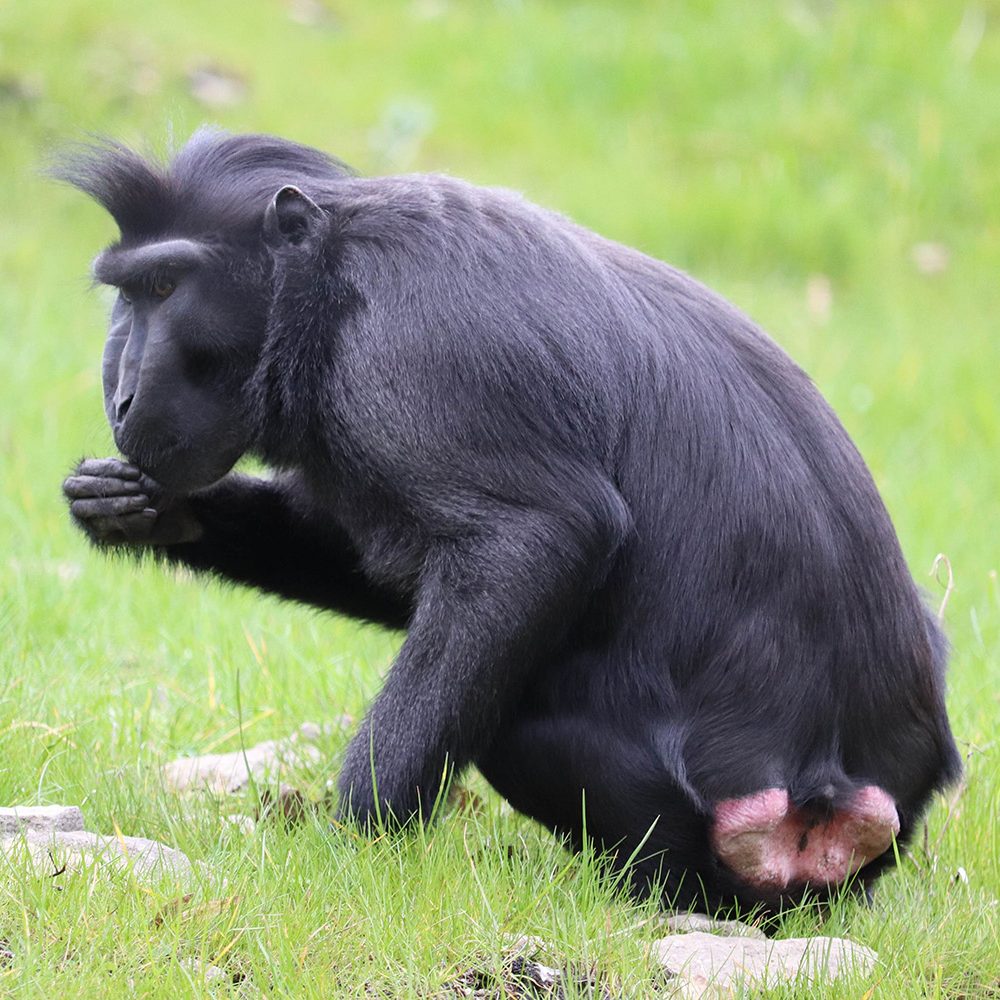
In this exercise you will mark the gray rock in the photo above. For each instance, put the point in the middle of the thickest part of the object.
(239, 821)
(54, 852)
(203, 971)
(686, 923)
(36, 819)
(229, 773)
(707, 965)
(312, 732)
(526, 945)
(217, 87)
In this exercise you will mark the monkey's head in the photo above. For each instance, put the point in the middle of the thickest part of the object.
(193, 275)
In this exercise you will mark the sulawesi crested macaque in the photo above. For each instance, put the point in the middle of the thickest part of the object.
(649, 587)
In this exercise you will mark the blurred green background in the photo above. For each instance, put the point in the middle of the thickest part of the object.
(832, 167)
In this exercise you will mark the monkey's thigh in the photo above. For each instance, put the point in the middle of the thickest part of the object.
(582, 775)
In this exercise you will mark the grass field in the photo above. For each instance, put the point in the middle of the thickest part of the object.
(834, 168)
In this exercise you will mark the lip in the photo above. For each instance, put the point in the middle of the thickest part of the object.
(177, 468)
(159, 465)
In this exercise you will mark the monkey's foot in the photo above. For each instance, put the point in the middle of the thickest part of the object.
(765, 840)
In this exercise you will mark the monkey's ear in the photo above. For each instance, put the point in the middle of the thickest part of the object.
(291, 218)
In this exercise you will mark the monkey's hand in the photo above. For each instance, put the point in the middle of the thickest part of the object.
(116, 504)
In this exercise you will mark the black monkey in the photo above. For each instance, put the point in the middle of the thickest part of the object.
(649, 586)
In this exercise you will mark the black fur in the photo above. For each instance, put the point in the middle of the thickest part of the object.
(638, 557)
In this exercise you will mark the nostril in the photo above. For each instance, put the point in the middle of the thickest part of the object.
(122, 408)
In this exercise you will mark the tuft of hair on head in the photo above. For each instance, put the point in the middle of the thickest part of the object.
(133, 191)
(217, 183)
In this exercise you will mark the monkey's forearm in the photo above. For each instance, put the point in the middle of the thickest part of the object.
(490, 605)
(253, 533)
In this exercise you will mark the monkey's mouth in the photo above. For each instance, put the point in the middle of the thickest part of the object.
(178, 468)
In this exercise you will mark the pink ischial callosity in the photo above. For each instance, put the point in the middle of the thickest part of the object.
(769, 843)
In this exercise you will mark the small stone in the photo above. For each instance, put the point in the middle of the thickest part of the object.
(311, 13)
(686, 923)
(526, 945)
(313, 732)
(203, 971)
(230, 773)
(819, 297)
(707, 965)
(37, 819)
(56, 852)
(23, 90)
(428, 10)
(216, 87)
(241, 822)
(146, 80)
(930, 258)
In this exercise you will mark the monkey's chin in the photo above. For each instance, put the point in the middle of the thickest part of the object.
(183, 473)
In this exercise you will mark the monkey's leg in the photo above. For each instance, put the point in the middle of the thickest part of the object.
(586, 775)
(489, 608)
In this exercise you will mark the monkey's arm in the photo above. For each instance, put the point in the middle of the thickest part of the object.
(491, 603)
(247, 530)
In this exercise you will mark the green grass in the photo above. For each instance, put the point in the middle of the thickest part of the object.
(760, 146)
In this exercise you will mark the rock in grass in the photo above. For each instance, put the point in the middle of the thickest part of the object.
(58, 852)
(37, 819)
(686, 923)
(229, 773)
(203, 971)
(706, 965)
(240, 822)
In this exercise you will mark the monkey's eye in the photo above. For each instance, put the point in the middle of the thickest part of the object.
(162, 287)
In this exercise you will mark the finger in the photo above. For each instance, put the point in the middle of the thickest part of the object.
(150, 486)
(79, 487)
(128, 528)
(108, 506)
(106, 529)
(113, 467)
(136, 527)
